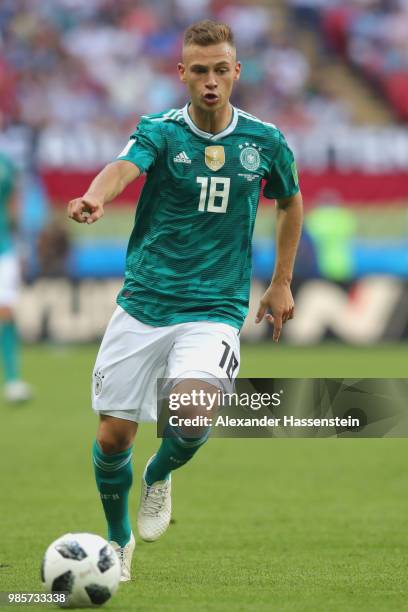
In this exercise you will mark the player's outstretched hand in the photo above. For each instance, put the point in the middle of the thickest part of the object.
(87, 209)
(278, 300)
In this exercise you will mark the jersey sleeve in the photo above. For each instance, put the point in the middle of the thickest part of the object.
(144, 145)
(282, 181)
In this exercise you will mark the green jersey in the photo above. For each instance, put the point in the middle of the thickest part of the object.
(7, 185)
(189, 255)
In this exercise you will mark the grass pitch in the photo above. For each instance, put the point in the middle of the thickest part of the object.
(260, 525)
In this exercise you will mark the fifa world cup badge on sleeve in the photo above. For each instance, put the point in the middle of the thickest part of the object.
(294, 173)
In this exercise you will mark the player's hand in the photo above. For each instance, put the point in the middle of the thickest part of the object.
(87, 209)
(278, 300)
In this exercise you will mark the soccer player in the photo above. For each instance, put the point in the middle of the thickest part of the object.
(15, 390)
(186, 289)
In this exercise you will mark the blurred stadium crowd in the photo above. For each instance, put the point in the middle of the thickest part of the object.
(68, 61)
(373, 36)
(98, 65)
(105, 62)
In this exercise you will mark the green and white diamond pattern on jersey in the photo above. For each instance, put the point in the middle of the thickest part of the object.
(189, 256)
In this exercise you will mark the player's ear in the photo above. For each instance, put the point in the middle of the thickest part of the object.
(237, 71)
(182, 72)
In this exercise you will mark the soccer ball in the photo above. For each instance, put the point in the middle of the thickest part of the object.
(84, 566)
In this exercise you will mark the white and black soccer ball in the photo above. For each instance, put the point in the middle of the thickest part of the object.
(84, 566)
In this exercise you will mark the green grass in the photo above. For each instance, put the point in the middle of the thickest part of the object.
(260, 525)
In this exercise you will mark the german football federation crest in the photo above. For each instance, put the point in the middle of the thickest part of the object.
(214, 157)
(250, 158)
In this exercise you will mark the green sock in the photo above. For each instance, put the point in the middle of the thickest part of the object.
(174, 452)
(9, 350)
(114, 478)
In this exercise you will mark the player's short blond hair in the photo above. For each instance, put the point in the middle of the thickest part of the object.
(207, 32)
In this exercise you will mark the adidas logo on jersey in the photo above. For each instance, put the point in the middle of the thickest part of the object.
(182, 158)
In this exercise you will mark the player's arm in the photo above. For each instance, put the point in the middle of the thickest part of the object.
(12, 210)
(105, 187)
(278, 297)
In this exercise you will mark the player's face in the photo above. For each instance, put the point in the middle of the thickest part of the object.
(209, 73)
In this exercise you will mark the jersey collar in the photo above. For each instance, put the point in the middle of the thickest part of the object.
(228, 130)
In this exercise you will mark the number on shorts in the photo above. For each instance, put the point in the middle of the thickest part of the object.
(231, 364)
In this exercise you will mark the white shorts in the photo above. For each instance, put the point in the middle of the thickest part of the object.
(133, 356)
(9, 279)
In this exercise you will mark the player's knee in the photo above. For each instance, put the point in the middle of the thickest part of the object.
(115, 435)
(6, 313)
(111, 446)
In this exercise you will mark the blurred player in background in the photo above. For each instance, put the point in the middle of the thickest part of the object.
(15, 390)
(186, 289)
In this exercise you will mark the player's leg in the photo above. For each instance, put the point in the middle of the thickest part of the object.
(112, 457)
(9, 344)
(205, 356)
(178, 446)
(15, 390)
(126, 368)
(180, 443)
